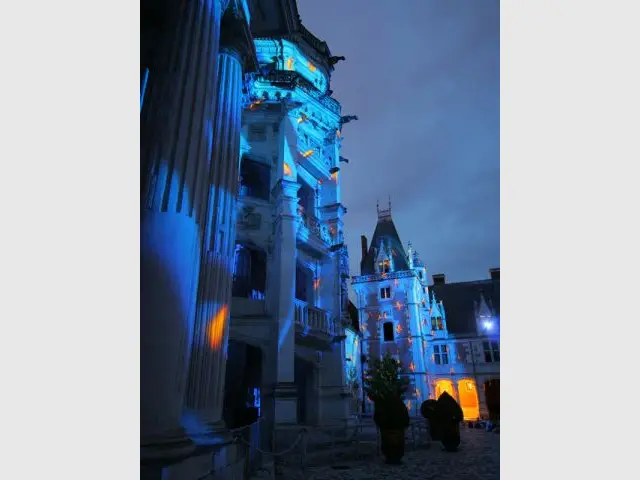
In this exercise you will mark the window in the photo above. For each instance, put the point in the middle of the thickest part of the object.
(387, 331)
(436, 323)
(250, 273)
(384, 266)
(257, 133)
(491, 351)
(385, 292)
(440, 354)
(420, 275)
(255, 178)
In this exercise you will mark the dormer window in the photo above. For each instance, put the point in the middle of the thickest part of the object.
(436, 323)
(385, 266)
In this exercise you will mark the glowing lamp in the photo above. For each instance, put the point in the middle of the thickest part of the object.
(289, 63)
(308, 153)
(287, 169)
(311, 66)
(302, 118)
(488, 325)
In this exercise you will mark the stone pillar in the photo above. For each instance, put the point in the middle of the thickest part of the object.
(283, 268)
(205, 392)
(175, 142)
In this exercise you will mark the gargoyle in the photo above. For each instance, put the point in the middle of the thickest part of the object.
(347, 119)
(345, 160)
(334, 60)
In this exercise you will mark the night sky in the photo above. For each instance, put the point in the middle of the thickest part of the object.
(423, 76)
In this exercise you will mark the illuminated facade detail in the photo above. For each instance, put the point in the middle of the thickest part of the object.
(293, 231)
(456, 351)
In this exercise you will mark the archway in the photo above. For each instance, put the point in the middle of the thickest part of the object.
(444, 385)
(469, 399)
(492, 397)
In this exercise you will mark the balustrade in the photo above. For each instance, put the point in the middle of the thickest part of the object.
(313, 318)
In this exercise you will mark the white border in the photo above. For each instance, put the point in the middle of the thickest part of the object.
(569, 238)
(69, 345)
(69, 257)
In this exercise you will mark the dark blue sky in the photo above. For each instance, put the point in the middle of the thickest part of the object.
(423, 76)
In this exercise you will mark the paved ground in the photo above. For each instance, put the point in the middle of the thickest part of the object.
(477, 459)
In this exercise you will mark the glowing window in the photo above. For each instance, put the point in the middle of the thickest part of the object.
(289, 63)
(387, 331)
(441, 354)
(287, 169)
(311, 66)
(385, 292)
(385, 266)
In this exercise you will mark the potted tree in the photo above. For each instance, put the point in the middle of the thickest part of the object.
(448, 416)
(428, 411)
(385, 386)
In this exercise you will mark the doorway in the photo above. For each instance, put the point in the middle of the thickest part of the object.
(469, 403)
(304, 378)
(492, 397)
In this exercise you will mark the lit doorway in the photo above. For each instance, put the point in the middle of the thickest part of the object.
(444, 386)
(469, 399)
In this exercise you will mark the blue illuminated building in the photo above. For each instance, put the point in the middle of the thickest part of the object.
(446, 336)
(244, 269)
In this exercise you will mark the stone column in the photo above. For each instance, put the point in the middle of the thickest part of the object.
(205, 392)
(175, 142)
(281, 297)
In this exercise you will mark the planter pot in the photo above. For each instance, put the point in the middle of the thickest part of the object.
(392, 445)
(451, 437)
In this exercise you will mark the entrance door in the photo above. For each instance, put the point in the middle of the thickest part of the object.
(492, 397)
(469, 399)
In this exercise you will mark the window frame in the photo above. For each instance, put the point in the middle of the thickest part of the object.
(382, 297)
(491, 350)
(441, 354)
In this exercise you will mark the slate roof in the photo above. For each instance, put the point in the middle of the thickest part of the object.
(385, 229)
(459, 306)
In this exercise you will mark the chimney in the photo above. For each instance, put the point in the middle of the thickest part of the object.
(438, 279)
(363, 241)
(495, 273)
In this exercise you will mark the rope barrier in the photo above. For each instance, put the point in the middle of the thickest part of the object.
(287, 450)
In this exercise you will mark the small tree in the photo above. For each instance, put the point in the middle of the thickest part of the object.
(385, 380)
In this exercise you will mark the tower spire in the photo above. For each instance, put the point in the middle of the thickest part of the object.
(384, 214)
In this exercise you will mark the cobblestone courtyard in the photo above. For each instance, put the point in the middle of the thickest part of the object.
(477, 459)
